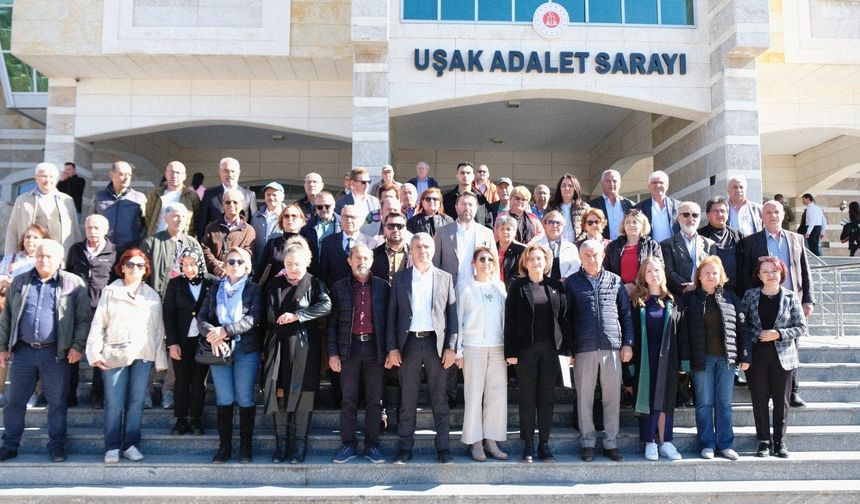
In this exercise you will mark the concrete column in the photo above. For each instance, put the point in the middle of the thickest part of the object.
(61, 145)
(370, 119)
(700, 155)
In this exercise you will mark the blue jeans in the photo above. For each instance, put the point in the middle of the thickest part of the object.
(234, 384)
(125, 391)
(29, 366)
(714, 403)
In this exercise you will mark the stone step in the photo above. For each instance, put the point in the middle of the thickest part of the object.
(814, 371)
(156, 443)
(816, 413)
(318, 477)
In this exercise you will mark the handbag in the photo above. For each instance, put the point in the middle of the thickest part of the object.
(204, 353)
(117, 355)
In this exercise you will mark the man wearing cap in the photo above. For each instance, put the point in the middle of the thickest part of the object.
(387, 178)
(266, 220)
(503, 192)
(465, 177)
(313, 186)
(173, 191)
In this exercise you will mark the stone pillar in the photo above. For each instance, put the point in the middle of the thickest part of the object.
(700, 155)
(61, 145)
(370, 120)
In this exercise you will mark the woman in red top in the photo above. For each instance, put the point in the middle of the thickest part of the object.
(625, 253)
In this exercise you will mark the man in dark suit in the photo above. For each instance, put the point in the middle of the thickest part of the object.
(422, 331)
(391, 256)
(775, 241)
(611, 203)
(212, 207)
(356, 349)
(683, 252)
(423, 181)
(334, 250)
(465, 177)
(660, 210)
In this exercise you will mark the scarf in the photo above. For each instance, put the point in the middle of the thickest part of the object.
(201, 264)
(229, 300)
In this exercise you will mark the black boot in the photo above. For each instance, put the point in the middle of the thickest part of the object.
(225, 435)
(302, 424)
(246, 433)
(281, 419)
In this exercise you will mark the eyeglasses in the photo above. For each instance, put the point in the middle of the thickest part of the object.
(230, 202)
(234, 262)
(430, 199)
(394, 226)
(483, 171)
(486, 259)
(687, 215)
(132, 265)
(291, 216)
(517, 198)
(365, 182)
(348, 217)
(554, 222)
(592, 222)
(320, 207)
(769, 272)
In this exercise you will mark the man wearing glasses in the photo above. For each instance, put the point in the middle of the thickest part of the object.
(483, 185)
(229, 231)
(684, 251)
(324, 221)
(363, 202)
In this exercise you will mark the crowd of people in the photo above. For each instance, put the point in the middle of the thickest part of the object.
(401, 281)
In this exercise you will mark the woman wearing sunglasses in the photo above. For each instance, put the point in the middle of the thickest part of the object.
(292, 223)
(125, 339)
(529, 226)
(592, 224)
(231, 320)
(431, 215)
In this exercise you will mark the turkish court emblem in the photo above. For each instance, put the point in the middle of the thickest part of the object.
(550, 20)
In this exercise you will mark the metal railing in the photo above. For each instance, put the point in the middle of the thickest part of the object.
(829, 283)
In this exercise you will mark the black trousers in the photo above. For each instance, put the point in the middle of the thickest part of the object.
(537, 373)
(190, 389)
(361, 364)
(418, 352)
(769, 381)
(98, 385)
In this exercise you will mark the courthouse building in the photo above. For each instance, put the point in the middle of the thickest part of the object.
(697, 88)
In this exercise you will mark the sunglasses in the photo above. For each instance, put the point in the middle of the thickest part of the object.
(687, 215)
(132, 265)
(554, 222)
(430, 199)
(592, 222)
(234, 262)
(365, 182)
(291, 216)
(486, 259)
(393, 226)
(517, 198)
(231, 202)
(320, 207)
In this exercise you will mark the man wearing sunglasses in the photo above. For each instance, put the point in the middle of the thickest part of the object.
(227, 232)
(324, 221)
(374, 231)
(684, 251)
(359, 197)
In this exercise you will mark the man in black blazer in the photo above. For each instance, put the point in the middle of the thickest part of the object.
(356, 349)
(773, 240)
(422, 331)
(391, 256)
(611, 203)
(212, 207)
(465, 177)
(334, 250)
(666, 223)
(683, 252)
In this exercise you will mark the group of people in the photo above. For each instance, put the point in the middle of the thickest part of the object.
(408, 281)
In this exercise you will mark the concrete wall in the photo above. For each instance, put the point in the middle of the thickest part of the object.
(627, 144)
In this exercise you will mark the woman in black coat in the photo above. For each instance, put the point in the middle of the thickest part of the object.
(183, 299)
(658, 326)
(292, 223)
(431, 215)
(535, 335)
(633, 239)
(294, 302)
(510, 250)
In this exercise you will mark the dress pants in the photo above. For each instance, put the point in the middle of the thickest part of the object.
(587, 367)
(30, 365)
(485, 391)
(769, 381)
(419, 352)
(537, 373)
(190, 386)
(362, 363)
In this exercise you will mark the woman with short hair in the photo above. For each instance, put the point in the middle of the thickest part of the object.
(529, 226)
(564, 254)
(592, 223)
(509, 249)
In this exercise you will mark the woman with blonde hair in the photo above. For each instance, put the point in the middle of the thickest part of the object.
(529, 226)
(658, 326)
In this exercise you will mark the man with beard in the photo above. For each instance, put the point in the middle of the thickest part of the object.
(684, 251)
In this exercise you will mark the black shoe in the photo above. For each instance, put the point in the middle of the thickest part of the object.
(740, 382)
(72, 401)
(779, 449)
(587, 454)
(613, 454)
(6, 454)
(528, 453)
(544, 453)
(180, 427)
(222, 455)
(444, 457)
(98, 403)
(452, 402)
(796, 401)
(197, 426)
(763, 449)
(402, 457)
(58, 454)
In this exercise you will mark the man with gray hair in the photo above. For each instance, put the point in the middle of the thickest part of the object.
(165, 247)
(43, 205)
(230, 230)
(313, 186)
(611, 203)
(173, 191)
(423, 180)
(123, 207)
(602, 329)
(744, 215)
(212, 208)
(683, 252)
(45, 336)
(660, 209)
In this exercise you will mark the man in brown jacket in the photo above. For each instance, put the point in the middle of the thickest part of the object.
(227, 232)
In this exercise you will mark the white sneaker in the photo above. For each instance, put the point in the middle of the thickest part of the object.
(651, 451)
(133, 454)
(730, 454)
(34, 399)
(707, 453)
(669, 451)
(167, 400)
(111, 456)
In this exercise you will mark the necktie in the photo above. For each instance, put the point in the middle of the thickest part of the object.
(349, 244)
